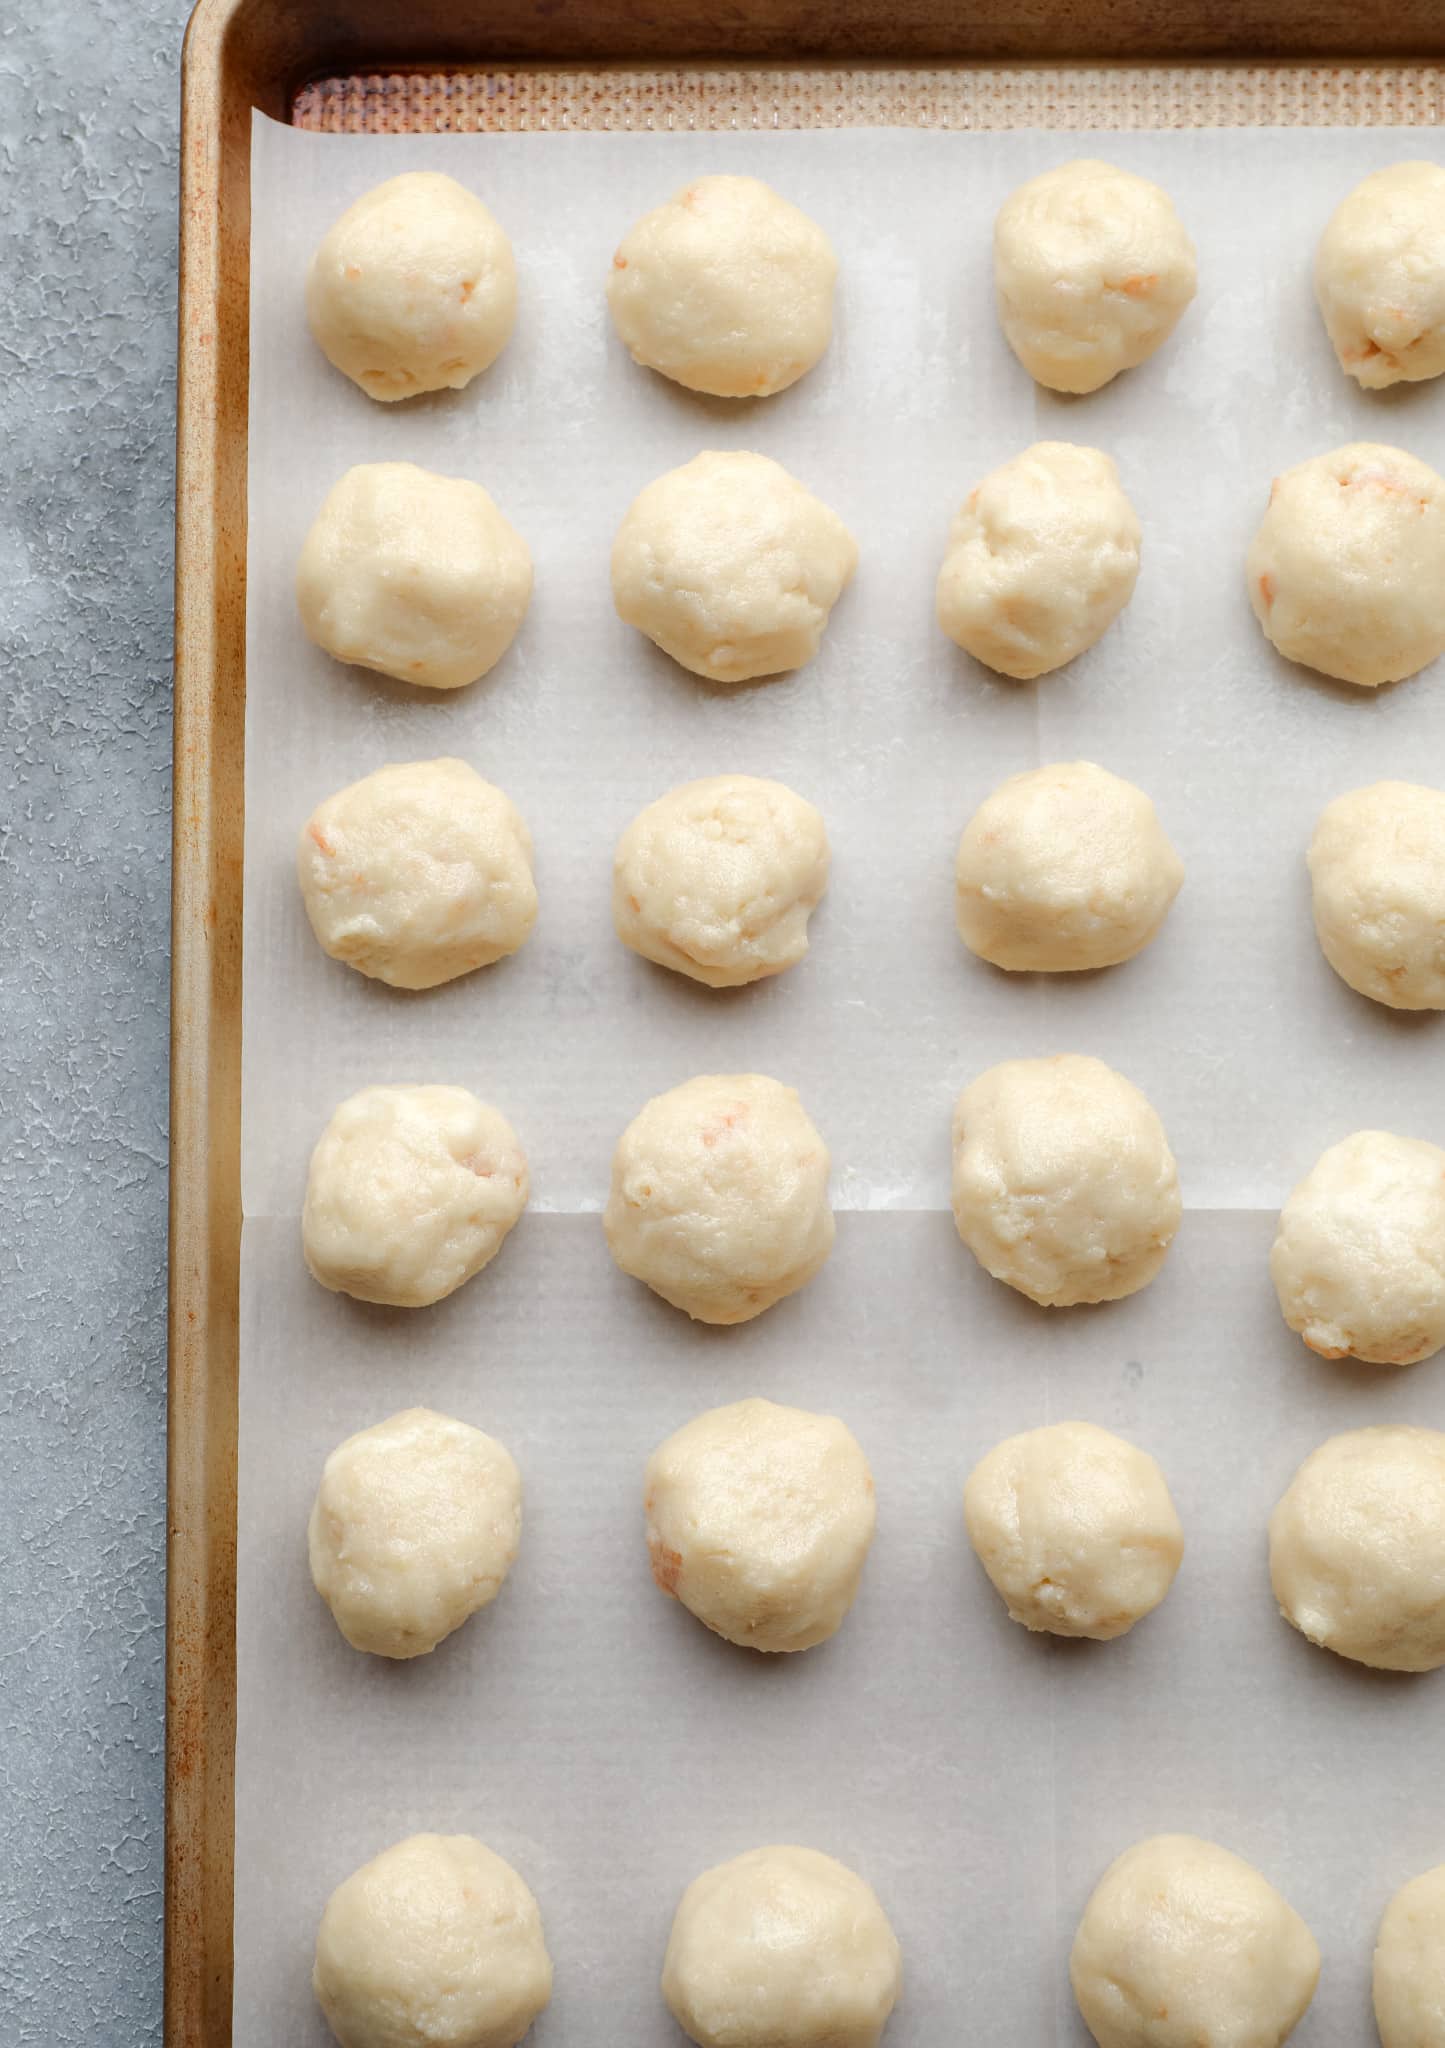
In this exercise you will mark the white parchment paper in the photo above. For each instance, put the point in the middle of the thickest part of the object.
(585, 1727)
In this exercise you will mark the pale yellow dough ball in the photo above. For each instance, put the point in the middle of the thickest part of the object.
(1377, 867)
(731, 566)
(781, 1948)
(1359, 1259)
(411, 1191)
(759, 1519)
(1357, 1548)
(1347, 571)
(1062, 869)
(1185, 1945)
(1064, 1186)
(1380, 276)
(1409, 1975)
(436, 1943)
(415, 1527)
(719, 1197)
(718, 879)
(1092, 269)
(418, 873)
(726, 288)
(413, 288)
(414, 575)
(1075, 1528)
(1041, 560)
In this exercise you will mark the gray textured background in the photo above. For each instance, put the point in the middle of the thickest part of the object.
(88, 101)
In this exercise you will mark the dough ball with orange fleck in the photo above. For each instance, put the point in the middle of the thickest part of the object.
(418, 873)
(759, 1519)
(1380, 276)
(1347, 570)
(1093, 269)
(415, 575)
(413, 288)
(411, 1191)
(718, 879)
(727, 288)
(719, 1197)
(414, 1529)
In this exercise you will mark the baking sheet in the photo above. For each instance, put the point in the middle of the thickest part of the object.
(583, 1726)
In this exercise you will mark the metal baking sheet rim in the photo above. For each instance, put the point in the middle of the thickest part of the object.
(245, 53)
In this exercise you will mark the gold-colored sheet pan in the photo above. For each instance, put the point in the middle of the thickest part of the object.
(410, 66)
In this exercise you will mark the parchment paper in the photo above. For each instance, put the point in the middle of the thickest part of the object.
(586, 1728)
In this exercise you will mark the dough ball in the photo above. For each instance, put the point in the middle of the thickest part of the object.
(1357, 1548)
(414, 575)
(1185, 1945)
(1410, 1965)
(1347, 570)
(1063, 1181)
(719, 1197)
(1075, 1528)
(416, 1525)
(1092, 269)
(1064, 868)
(1377, 864)
(1041, 560)
(781, 1948)
(1380, 276)
(1359, 1259)
(436, 1943)
(414, 288)
(418, 873)
(731, 566)
(411, 1191)
(727, 289)
(718, 879)
(759, 1519)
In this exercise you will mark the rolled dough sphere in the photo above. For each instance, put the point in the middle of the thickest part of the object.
(1380, 276)
(718, 879)
(411, 1191)
(1063, 1182)
(1041, 560)
(1410, 1965)
(719, 1197)
(436, 1943)
(418, 873)
(1357, 1548)
(1347, 570)
(414, 575)
(1075, 1528)
(1359, 1259)
(1185, 1945)
(731, 566)
(759, 1519)
(1064, 868)
(415, 1526)
(1092, 269)
(414, 288)
(1377, 865)
(727, 289)
(781, 1948)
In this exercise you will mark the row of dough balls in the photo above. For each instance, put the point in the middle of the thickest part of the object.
(1064, 1187)
(727, 288)
(732, 567)
(438, 1943)
(760, 1517)
(422, 871)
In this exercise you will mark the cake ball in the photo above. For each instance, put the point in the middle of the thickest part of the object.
(413, 288)
(726, 288)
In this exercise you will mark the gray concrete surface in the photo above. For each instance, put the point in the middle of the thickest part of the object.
(88, 101)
